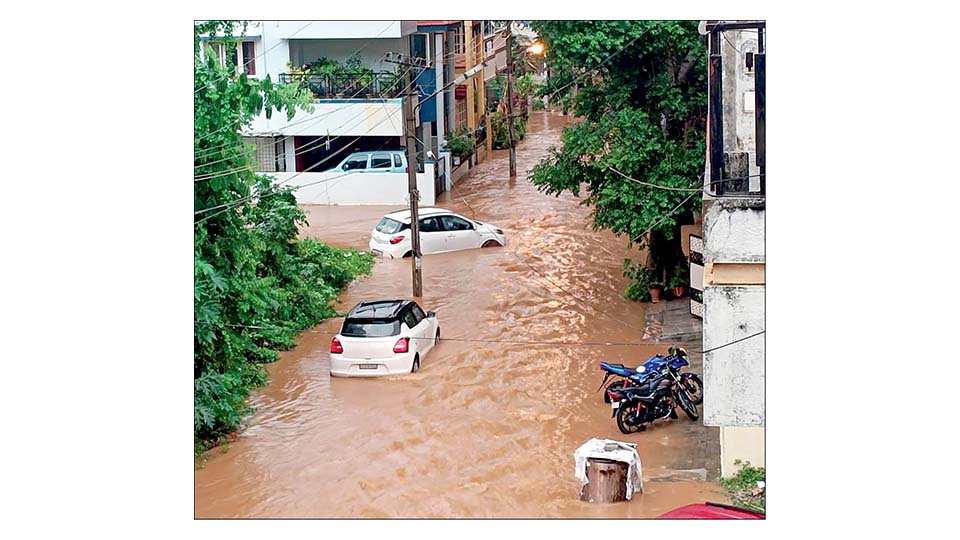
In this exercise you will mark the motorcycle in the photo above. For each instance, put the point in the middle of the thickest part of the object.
(637, 406)
(676, 360)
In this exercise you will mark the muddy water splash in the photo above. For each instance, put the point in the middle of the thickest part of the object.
(484, 429)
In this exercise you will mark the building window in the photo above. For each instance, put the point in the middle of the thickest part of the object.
(249, 58)
(461, 113)
(268, 153)
(458, 41)
(418, 45)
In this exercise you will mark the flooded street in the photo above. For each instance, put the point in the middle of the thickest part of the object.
(484, 429)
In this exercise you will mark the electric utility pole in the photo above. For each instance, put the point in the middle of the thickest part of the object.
(513, 149)
(410, 126)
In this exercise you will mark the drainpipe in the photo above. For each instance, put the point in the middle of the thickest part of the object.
(760, 111)
(715, 116)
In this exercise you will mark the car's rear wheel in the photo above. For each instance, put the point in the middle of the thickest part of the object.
(408, 254)
(416, 364)
(436, 340)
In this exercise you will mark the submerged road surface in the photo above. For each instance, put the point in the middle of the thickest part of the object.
(484, 429)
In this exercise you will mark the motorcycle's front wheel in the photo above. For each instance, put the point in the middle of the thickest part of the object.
(687, 404)
(622, 413)
(694, 387)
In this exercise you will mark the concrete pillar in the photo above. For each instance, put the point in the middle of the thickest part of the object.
(290, 154)
(439, 67)
(744, 444)
(469, 62)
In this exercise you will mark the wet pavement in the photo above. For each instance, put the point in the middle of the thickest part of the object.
(485, 429)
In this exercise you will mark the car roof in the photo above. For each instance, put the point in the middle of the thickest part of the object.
(403, 216)
(378, 309)
(381, 151)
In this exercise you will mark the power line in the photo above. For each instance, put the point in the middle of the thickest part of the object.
(365, 45)
(227, 206)
(732, 342)
(307, 148)
(261, 55)
(504, 341)
(658, 186)
(668, 214)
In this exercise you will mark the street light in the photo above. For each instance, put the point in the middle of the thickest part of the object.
(536, 48)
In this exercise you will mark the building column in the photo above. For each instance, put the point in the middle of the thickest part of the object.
(290, 154)
(439, 101)
(743, 444)
(469, 62)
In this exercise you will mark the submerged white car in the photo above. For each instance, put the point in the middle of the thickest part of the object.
(383, 337)
(440, 231)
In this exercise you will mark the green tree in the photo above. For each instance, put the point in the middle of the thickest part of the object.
(255, 284)
(643, 113)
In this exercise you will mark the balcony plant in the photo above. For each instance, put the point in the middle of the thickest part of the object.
(461, 143)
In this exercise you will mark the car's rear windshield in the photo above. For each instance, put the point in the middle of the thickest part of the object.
(388, 226)
(370, 328)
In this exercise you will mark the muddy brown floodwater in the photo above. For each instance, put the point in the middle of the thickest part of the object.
(483, 429)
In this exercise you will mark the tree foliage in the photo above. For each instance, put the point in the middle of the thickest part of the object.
(643, 114)
(255, 285)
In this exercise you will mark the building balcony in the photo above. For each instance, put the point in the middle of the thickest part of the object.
(360, 85)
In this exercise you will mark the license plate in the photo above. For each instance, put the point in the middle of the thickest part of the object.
(614, 404)
(369, 366)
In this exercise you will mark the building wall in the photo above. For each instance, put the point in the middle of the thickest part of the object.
(338, 29)
(371, 51)
(358, 188)
(381, 118)
(734, 278)
(744, 444)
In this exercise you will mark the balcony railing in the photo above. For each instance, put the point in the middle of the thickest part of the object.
(361, 85)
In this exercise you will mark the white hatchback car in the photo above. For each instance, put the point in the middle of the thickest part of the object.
(383, 337)
(440, 231)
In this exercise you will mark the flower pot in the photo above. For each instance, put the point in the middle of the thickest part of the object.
(678, 291)
(655, 294)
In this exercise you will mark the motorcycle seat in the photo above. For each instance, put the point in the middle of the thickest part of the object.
(617, 369)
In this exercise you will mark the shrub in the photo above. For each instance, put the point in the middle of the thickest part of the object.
(461, 143)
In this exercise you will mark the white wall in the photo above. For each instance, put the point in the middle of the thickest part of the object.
(338, 117)
(358, 188)
(371, 51)
(733, 377)
(734, 230)
(338, 29)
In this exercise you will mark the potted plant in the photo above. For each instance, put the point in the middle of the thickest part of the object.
(678, 282)
(654, 285)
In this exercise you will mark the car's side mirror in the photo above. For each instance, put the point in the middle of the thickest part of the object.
(346, 166)
(431, 314)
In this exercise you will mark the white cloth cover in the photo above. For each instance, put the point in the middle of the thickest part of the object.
(625, 452)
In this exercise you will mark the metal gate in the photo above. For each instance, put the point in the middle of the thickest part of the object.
(696, 276)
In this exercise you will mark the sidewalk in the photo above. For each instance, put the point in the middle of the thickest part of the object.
(670, 323)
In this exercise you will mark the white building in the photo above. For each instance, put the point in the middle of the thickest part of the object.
(358, 108)
(734, 239)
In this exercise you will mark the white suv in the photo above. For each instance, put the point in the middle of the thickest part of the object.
(440, 231)
(383, 337)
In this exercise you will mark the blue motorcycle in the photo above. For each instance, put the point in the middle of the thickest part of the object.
(675, 360)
